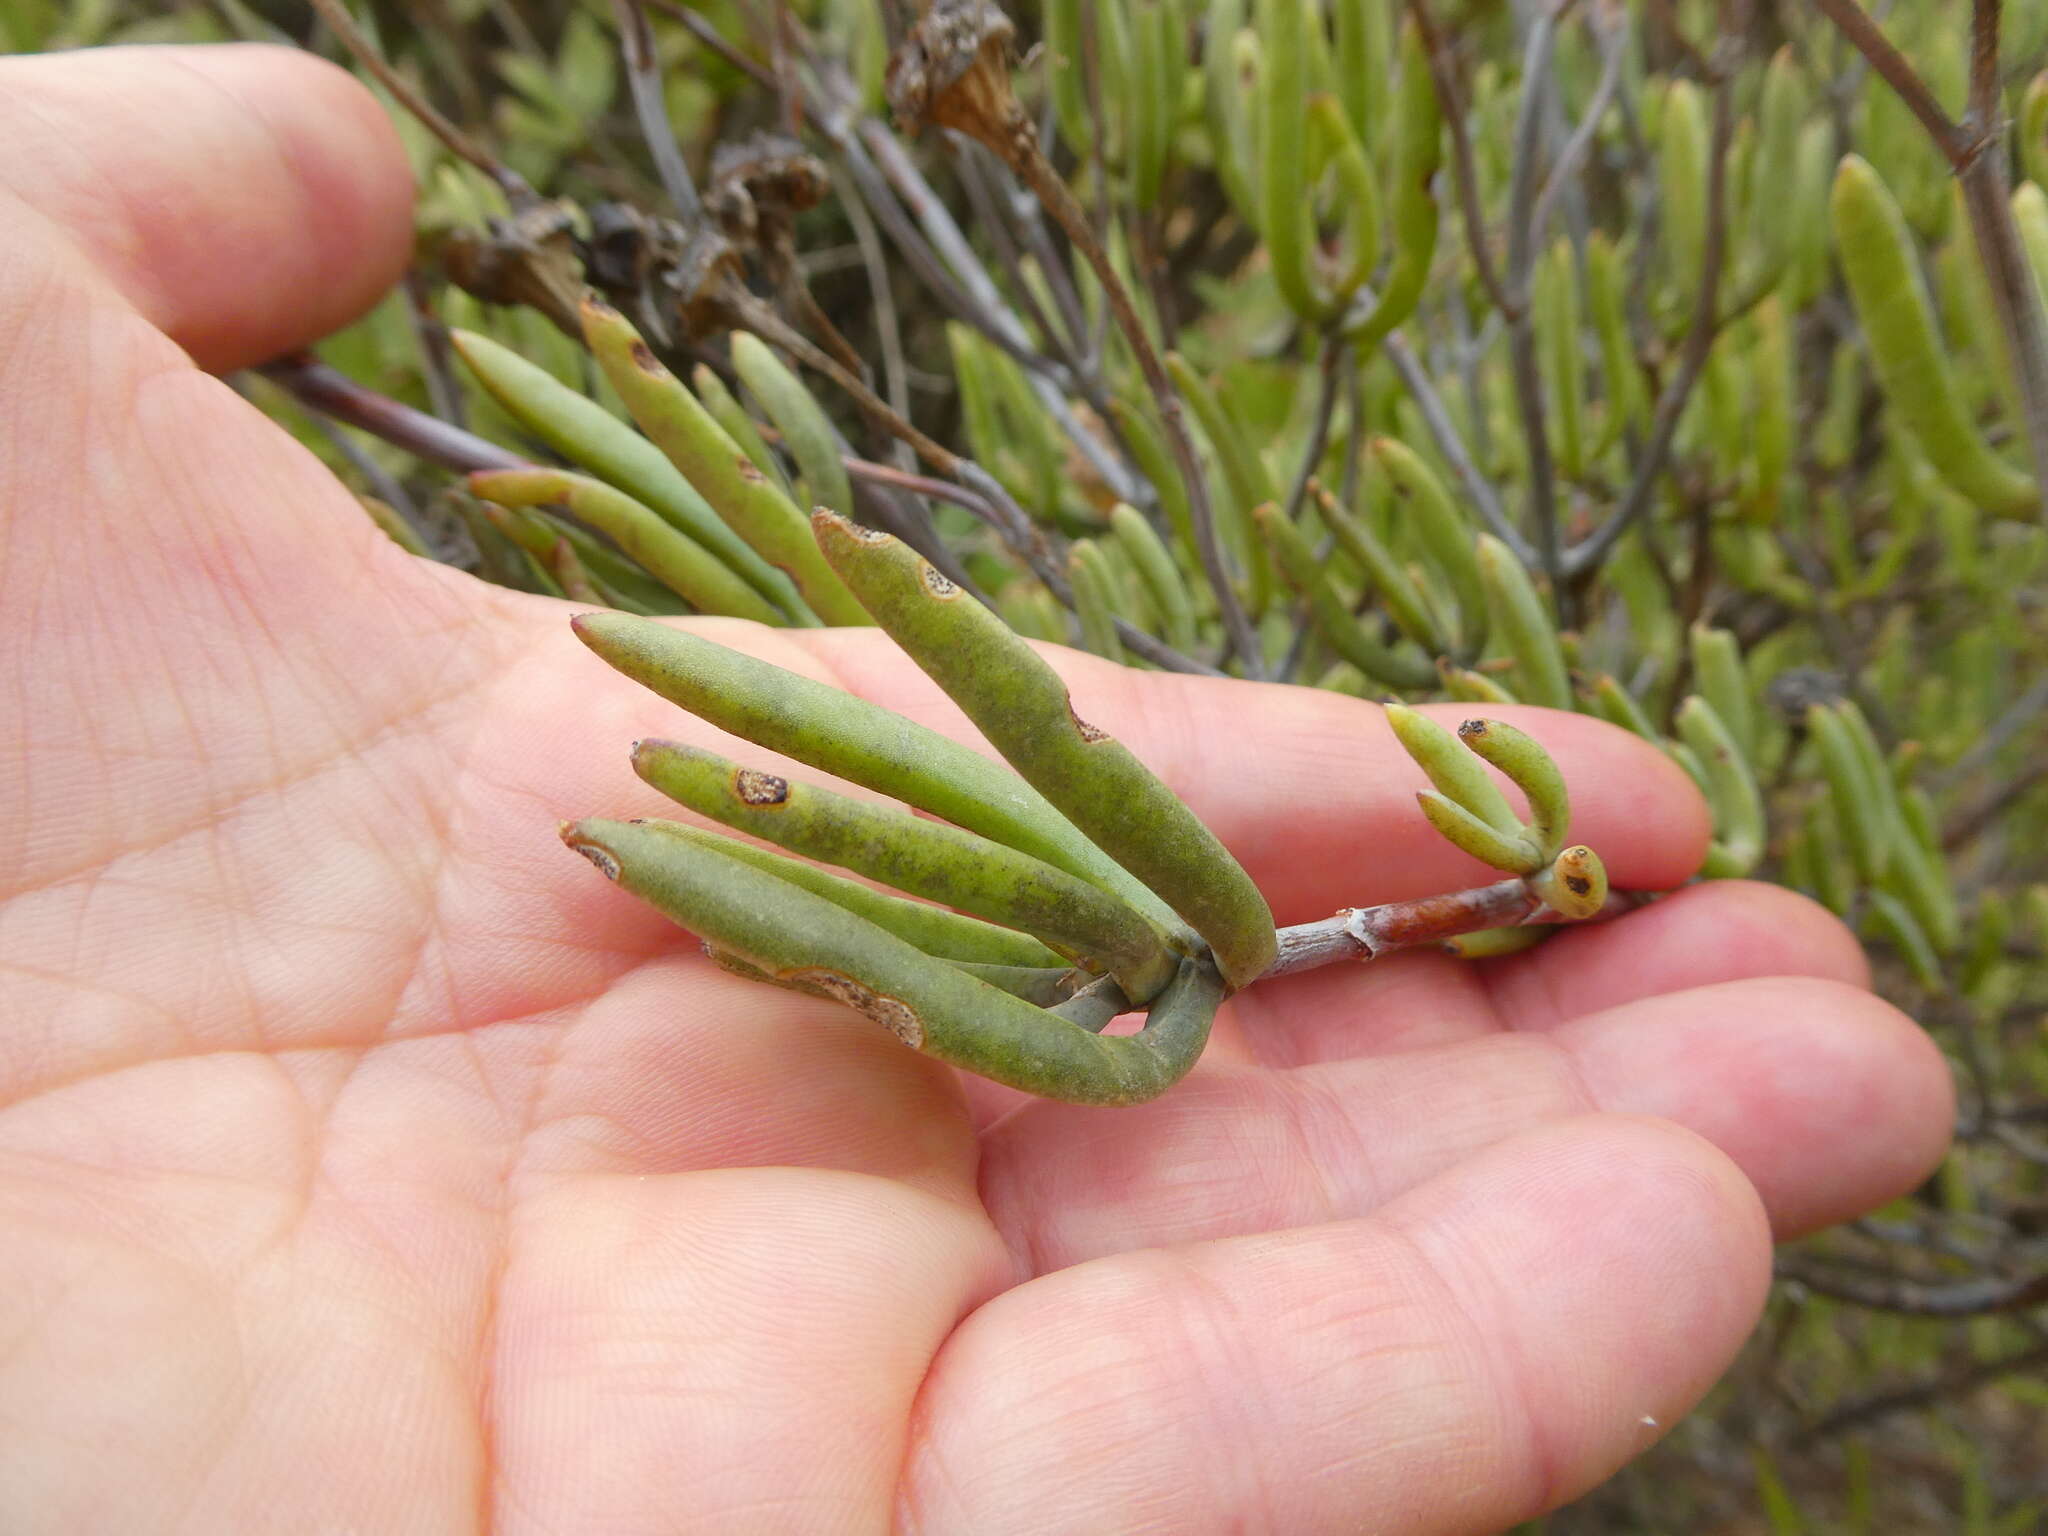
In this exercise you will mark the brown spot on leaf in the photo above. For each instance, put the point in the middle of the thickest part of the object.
(936, 581)
(891, 1013)
(606, 864)
(1579, 884)
(758, 788)
(867, 535)
(1088, 732)
(645, 360)
(748, 469)
(1471, 728)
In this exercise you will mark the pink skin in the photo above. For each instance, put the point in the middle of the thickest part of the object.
(366, 1162)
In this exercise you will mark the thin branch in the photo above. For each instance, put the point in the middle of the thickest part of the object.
(437, 364)
(1987, 196)
(515, 187)
(1979, 1297)
(1330, 371)
(1466, 176)
(1366, 933)
(888, 330)
(1956, 1381)
(1444, 432)
(1984, 104)
(312, 383)
(710, 37)
(650, 107)
(1855, 24)
(1523, 241)
(315, 385)
(381, 482)
(970, 162)
(1613, 50)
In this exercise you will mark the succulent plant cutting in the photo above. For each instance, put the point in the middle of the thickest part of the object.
(1052, 901)
(1683, 366)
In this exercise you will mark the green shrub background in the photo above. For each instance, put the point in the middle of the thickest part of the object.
(1815, 538)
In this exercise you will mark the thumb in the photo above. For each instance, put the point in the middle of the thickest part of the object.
(246, 200)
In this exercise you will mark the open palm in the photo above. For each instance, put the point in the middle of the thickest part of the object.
(368, 1164)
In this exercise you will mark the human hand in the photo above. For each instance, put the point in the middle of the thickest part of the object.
(367, 1163)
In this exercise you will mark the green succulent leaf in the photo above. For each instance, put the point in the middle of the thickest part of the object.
(926, 858)
(1020, 704)
(793, 937)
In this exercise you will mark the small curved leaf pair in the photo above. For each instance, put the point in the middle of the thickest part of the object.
(1468, 808)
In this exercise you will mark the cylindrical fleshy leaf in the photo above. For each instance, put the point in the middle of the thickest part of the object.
(750, 503)
(1894, 920)
(1732, 793)
(1358, 190)
(1487, 943)
(1094, 599)
(1418, 150)
(1719, 677)
(1286, 209)
(673, 558)
(1877, 256)
(1511, 851)
(1162, 578)
(566, 568)
(909, 853)
(1022, 707)
(1155, 461)
(1441, 531)
(1862, 807)
(1617, 706)
(1530, 769)
(1574, 884)
(948, 935)
(1525, 627)
(877, 748)
(1046, 986)
(395, 526)
(1351, 636)
(739, 426)
(1453, 770)
(585, 433)
(806, 430)
(804, 940)
(1397, 590)
(1468, 687)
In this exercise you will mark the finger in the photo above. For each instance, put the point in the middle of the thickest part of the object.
(1725, 930)
(727, 1351)
(1786, 1076)
(214, 652)
(1311, 791)
(1499, 1339)
(1829, 1099)
(246, 200)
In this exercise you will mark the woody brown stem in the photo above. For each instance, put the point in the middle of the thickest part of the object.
(1366, 933)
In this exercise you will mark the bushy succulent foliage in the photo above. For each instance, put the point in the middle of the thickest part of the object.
(1681, 364)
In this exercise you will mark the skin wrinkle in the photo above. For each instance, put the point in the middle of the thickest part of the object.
(1522, 1406)
(1232, 1364)
(1304, 1099)
(343, 756)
